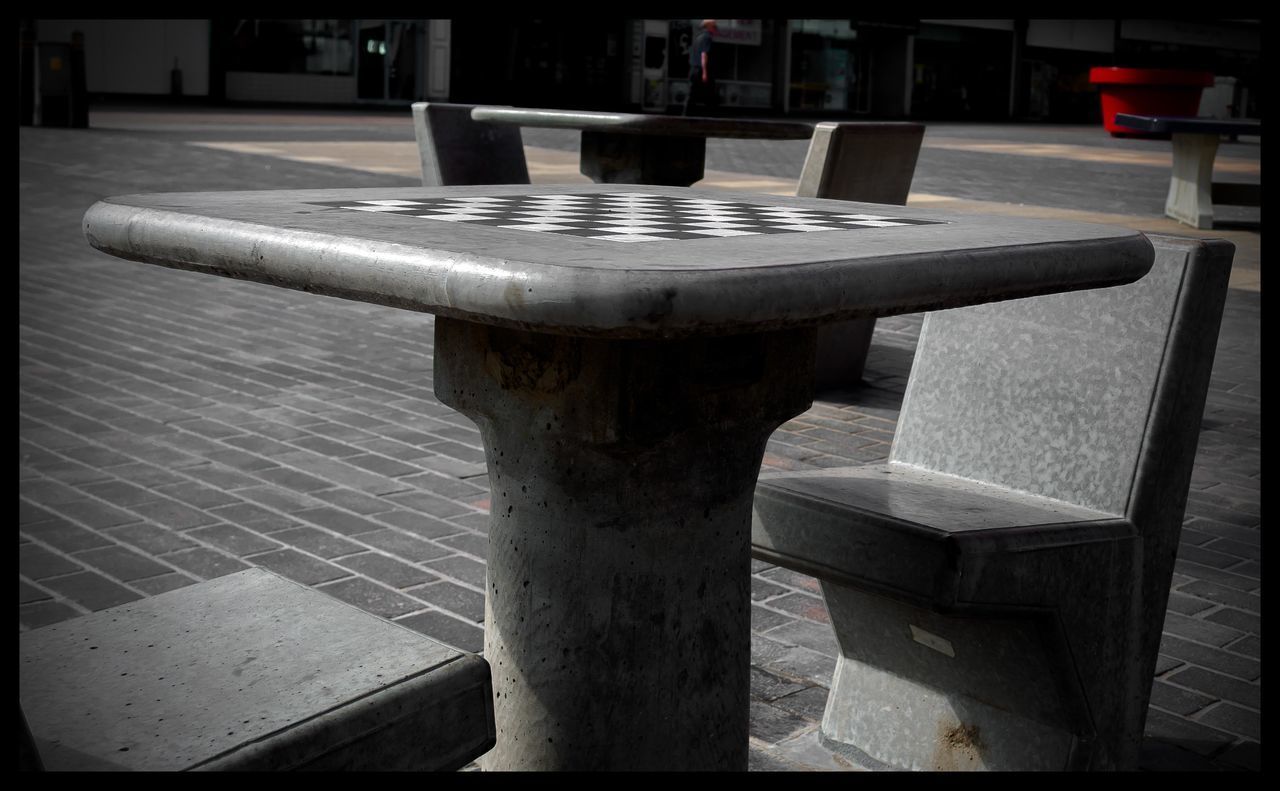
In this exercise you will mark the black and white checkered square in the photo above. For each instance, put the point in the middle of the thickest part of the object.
(627, 216)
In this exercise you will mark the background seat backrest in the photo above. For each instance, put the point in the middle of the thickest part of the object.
(457, 151)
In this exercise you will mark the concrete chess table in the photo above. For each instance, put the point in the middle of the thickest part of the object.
(626, 355)
(633, 148)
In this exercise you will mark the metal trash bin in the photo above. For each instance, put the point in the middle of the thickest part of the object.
(60, 95)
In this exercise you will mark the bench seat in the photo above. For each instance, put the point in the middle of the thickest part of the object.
(907, 531)
(249, 672)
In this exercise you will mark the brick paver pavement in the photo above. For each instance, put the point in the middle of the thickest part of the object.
(175, 427)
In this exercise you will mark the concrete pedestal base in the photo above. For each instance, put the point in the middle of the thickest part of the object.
(619, 158)
(1190, 198)
(842, 353)
(618, 595)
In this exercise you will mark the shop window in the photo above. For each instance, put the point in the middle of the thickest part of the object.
(291, 46)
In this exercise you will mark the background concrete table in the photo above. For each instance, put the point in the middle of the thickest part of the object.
(1192, 191)
(625, 383)
(630, 148)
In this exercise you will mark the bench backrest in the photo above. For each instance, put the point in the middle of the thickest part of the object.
(861, 161)
(458, 151)
(1091, 397)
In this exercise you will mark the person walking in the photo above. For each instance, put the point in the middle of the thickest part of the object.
(702, 83)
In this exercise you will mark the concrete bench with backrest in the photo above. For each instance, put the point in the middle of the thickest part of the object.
(248, 671)
(853, 161)
(998, 587)
(1192, 190)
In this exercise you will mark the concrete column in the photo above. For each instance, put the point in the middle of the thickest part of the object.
(609, 158)
(617, 615)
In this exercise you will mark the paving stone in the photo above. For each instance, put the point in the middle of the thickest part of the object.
(476, 521)
(91, 590)
(814, 636)
(321, 543)
(1199, 630)
(446, 629)
(205, 563)
(1225, 661)
(350, 500)
(43, 613)
(1245, 755)
(64, 536)
(793, 579)
(767, 687)
(1237, 619)
(293, 479)
(461, 568)
(386, 570)
(338, 521)
(1222, 594)
(802, 605)
(1233, 719)
(122, 563)
(457, 450)
(1248, 645)
(121, 493)
(447, 486)
(454, 598)
(1218, 686)
(474, 545)
(405, 546)
(241, 460)
(326, 446)
(274, 497)
(339, 473)
(28, 593)
(171, 513)
(73, 473)
(37, 563)
(1165, 663)
(1178, 700)
(235, 540)
(1201, 739)
(94, 514)
(371, 597)
(197, 495)
(772, 725)
(299, 567)
(429, 504)
(163, 583)
(1188, 605)
(222, 478)
(420, 524)
(1162, 756)
(146, 475)
(808, 703)
(455, 468)
(762, 619)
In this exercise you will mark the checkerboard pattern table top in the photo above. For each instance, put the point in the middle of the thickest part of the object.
(600, 259)
(628, 216)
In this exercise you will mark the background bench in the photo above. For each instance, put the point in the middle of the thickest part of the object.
(998, 588)
(1192, 191)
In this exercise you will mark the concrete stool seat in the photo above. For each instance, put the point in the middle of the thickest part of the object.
(998, 588)
(249, 672)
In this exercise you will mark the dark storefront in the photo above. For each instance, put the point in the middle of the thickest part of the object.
(569, 63)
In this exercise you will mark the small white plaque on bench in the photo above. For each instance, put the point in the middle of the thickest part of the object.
(930, 640)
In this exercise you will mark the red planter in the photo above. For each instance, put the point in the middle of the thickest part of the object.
(1147, 92)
